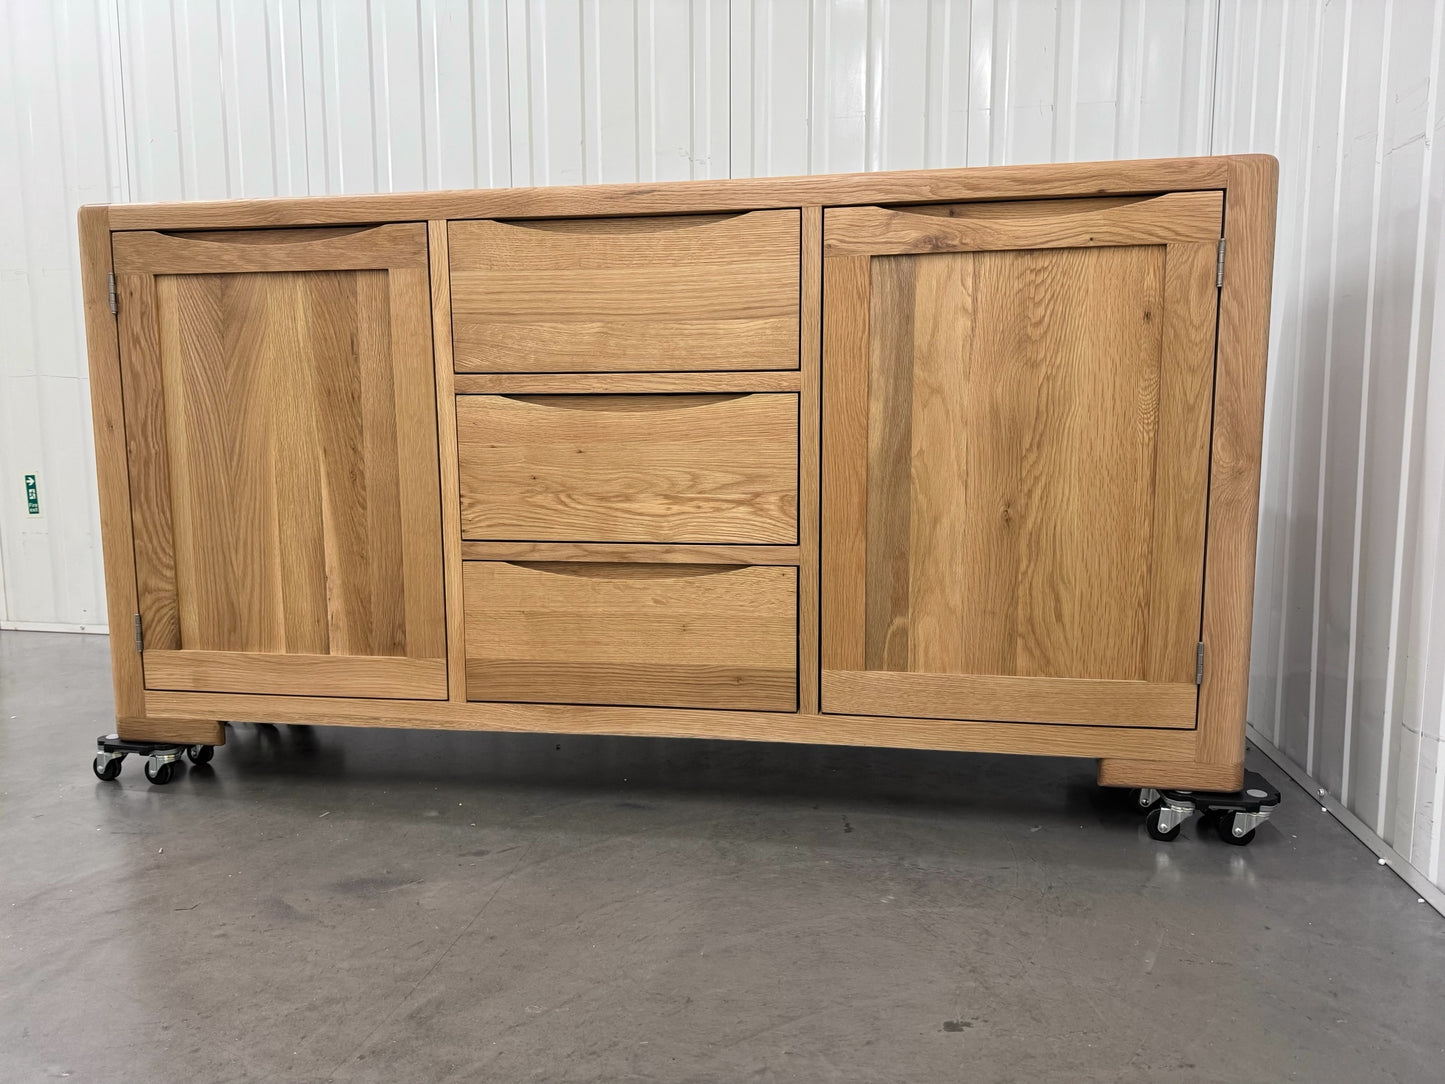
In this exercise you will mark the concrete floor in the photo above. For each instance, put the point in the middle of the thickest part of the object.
(349, 905)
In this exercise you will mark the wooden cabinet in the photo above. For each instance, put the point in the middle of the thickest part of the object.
(961, 459)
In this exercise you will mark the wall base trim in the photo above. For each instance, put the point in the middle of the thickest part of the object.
(1426, 890)
(49, 626)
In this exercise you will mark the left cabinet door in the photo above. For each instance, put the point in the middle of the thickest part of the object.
(280, 416)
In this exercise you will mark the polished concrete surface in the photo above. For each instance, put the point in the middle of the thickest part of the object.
(398, 906)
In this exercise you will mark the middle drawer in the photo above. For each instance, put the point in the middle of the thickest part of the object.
(629, 468)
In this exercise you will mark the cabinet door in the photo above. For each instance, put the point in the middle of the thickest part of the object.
(1016, 452)
(280, 414)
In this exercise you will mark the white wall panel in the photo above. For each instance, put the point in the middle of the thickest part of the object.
(190, 99)
(617, 90)
(837, 85)
(58, 149)
(1350, 606)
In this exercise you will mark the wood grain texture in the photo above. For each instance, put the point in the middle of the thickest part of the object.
(446, 415)
(619, 468)
(843, 556)
(980, 227)
(296, 675)
(1006, 504)
(689, 292)
(399, 245)
(1181, 465)
(1011, 699)
(108, 419)
(1120, 772)
(148, 459)
(283, 461)
(1167, 747)
(1235, 462)
(660, 635)
(622, 383)
(179, 731)
(648, 553)
(810, 454)
(1143, 176)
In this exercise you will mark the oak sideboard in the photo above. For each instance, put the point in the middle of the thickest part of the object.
(958, 459)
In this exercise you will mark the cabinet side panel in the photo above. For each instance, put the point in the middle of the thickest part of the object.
(1235, 462)
(107, 415)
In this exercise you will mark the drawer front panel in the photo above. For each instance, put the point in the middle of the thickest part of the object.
(684, 636)
(629, 468)
(696, 292)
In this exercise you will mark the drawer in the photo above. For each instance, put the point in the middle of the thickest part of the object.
(681, 636)
(689, 292)
(629, 468)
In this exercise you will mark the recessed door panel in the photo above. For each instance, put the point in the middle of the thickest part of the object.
(281, 428)
(1016, 459)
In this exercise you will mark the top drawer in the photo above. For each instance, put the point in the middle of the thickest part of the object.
(689, 292)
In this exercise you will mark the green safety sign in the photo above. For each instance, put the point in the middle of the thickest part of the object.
(32, 495)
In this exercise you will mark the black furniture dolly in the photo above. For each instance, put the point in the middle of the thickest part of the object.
(1235, 814)
(161, 765)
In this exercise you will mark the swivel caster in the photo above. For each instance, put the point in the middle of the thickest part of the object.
(1165, 820)
(1146, 798)
(201, 754)
(160, 771)
(162, 757)
(1235, 828)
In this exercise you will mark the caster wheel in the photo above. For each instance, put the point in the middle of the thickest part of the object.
(1151, 822)
(1146, 799)
(160, 774)
(1225, 827)
(201, 754)
(106, 768)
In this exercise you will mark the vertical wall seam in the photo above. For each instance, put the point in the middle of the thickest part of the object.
(1297, 339)
(1325, 404)
(1362, 441)
(1402, 511)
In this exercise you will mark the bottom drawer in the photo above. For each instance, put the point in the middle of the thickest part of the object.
(679, 636)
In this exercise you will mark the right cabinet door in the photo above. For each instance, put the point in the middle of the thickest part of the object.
(1016, 428)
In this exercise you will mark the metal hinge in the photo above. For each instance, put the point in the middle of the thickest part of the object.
(114, 308)
(1219, 265)
(140, 644)
(1199, 663)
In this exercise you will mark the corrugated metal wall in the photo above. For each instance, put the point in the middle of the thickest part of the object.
(1349, 645)
(175, 99)
(59, 148)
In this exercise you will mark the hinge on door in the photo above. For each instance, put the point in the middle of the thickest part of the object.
(1219, 265)
(1199, 663)
(114, 308)
(140, 644)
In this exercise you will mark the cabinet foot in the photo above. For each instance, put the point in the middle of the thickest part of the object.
(1114, 772)
(172, 731)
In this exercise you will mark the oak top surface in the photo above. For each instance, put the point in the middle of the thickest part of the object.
(904, 186)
